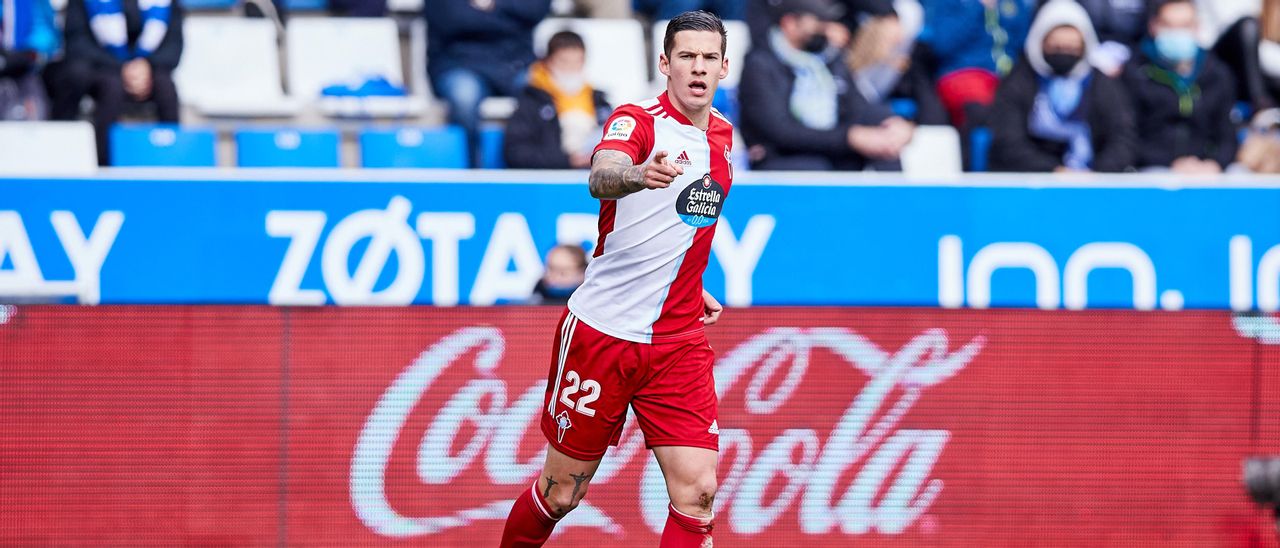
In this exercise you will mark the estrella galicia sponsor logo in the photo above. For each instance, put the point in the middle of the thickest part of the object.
(699, 203)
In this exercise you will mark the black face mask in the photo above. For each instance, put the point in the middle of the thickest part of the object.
(1061, 63)
(816, 43)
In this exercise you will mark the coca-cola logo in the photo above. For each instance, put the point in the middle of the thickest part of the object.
(865, 473)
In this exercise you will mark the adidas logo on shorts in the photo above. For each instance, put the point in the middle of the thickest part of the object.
(714, 429)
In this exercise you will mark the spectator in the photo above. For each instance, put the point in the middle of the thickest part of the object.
(662, 10)
(118, 52)
(974, 43)
(557, 122)
(887, 62)
(566, 268)
(1182, 96)
(1120, 25)
(477, 49)
(28, 38)
(800, 109)
(1054, 112)
(882, 44)
(1233, 31)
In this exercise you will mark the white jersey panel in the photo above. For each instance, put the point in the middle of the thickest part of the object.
(626, 287)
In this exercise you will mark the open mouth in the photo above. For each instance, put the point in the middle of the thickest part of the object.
(698, 87)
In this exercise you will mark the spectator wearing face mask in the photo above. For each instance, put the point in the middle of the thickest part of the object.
(1182, 96)
(800, 108)
(1055, 112)
(566, 268)
(557, 121)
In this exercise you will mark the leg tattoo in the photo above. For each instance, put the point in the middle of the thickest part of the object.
(547, 492)
(577, 482)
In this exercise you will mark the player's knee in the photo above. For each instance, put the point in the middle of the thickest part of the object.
(562, 501)
(700, 496)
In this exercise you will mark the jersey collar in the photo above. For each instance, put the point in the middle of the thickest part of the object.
(678, 116)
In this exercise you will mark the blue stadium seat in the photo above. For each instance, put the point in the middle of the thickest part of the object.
(211, 5)
(491, 147)
(307, 5)
(444, 147)
(162, 145)
(287, 147)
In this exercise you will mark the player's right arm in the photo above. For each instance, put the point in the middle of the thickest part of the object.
(613, 175)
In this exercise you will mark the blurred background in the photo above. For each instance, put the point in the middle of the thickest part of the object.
(998, 272)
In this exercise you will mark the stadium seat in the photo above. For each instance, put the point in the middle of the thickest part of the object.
(162, 145)
(307, 5)
(934, 151)
(404, 6)
(47, 148)
(287, 147)
(491, 147)
(615, 54)
(208, 5)
(230, 67)
(407, 147)
(326, 51)
(737, 45)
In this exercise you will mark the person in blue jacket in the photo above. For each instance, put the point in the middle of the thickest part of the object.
(974, 43)
(478, 49)
(28, 39)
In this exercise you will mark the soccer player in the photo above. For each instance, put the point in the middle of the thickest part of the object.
(633, 332)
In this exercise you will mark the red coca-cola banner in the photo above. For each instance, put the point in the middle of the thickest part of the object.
(870, 427)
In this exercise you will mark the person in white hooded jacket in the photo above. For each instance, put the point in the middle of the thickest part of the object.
(1055, 112)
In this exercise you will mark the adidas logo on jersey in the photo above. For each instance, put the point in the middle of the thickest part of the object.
(714, 429)
(683, 159)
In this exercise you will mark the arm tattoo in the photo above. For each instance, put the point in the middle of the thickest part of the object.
(550, 482)
(577, 482)
(613, 176)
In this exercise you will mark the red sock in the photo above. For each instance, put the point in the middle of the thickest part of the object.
(685, 531)
(529, 524)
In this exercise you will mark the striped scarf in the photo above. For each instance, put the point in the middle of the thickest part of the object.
(106, 18)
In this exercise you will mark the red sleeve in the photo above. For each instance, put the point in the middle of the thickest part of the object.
(630, 130)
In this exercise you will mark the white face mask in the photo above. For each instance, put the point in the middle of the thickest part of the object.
(569, 82)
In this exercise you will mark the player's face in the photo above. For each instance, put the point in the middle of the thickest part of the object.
(694, 68)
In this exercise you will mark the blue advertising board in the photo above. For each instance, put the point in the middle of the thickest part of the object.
(459, 237)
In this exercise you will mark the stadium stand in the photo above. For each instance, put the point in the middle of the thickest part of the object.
(327, 52)
(934, 151)
(287, 147)
(230, 67)
(163, 145)
(36, 148)
(413, 148)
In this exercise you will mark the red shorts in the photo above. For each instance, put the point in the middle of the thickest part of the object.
(595, 376)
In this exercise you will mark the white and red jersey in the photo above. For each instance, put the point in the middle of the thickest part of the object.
(645, 281)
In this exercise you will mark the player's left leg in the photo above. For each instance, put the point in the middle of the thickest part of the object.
(676, 410)
(690, 473)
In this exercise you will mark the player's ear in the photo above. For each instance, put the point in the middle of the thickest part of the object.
(664, 64)
(724, 68)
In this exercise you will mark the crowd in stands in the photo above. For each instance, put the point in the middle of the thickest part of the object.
(1190, 86)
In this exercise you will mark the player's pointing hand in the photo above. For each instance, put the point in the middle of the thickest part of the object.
(658, 173)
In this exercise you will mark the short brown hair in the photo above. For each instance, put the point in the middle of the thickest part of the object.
(693, 20)
(565, 39)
